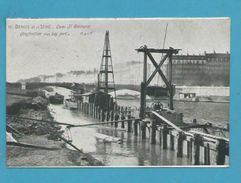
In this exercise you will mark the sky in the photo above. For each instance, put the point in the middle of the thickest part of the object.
(49, 46)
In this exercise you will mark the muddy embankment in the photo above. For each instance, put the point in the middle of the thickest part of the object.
(39, 134)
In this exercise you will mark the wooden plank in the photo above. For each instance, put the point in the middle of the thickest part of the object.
(167, 121)
(209, 136)
(153, 50)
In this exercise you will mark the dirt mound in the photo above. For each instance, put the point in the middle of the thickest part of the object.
(35, 103)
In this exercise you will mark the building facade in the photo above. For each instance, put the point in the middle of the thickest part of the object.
(209, 69)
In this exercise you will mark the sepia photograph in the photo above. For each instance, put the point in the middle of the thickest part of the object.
(117, 92)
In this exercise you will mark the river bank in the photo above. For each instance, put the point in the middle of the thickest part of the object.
(40, 134)
(134, 151)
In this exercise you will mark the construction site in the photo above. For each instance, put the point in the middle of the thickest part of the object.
(73, 124)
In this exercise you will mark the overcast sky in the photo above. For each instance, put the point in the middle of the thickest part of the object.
(29, 56)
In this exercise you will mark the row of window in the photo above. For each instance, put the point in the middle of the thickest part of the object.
(199, 61)
(218, 59)
(189, 61)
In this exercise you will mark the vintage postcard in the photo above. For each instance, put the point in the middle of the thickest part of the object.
(118, 92)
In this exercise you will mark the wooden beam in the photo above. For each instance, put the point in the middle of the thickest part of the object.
(160, 72)
(157, 68)
(101, 123)
(152, 50)
(145, 66)
(143, 101)
(170, 81)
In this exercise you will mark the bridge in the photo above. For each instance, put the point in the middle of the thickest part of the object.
(70, 85)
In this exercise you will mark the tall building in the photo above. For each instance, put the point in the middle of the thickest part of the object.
(210, 69)
(217, 68)
(187, 69)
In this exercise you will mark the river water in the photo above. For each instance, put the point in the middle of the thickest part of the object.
(133, 151)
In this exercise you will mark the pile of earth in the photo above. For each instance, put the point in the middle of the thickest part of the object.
(35, 103)
(35, 108)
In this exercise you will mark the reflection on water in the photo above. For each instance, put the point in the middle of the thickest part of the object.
(132, 152)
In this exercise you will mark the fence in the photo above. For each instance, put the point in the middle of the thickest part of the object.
(201, 148)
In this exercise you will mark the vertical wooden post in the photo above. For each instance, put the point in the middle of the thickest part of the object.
(181, 138)
(108, 116)
(90, 109)
(136, 127)
(118, 109)
(153, 131)
(164, 136)
(143, 101)
(170, 81)
(143, 130)
(123, 122)
(160, 137)
(189, 148)
(89, 112)
(143, 86)
(198, 141)
(181, 117)
(103, 116)
(94, 111)
(172, 142)
(87, 108)
(129, 123)
(83, 106)
(79, 105)
(116, 119)
(207, 155)
(99, 113)
(221, 152)
(112, 116)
